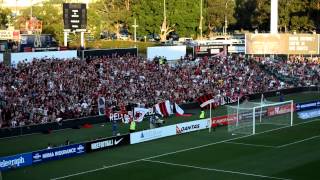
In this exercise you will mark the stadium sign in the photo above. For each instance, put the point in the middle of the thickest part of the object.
(308, 105)
(107, 143)
(9, 35)
(191, 126)
(278, 110)
(75, 16)
(58, 153)
(15, 161)
(223, 120)
(151, 134)
(282, 44)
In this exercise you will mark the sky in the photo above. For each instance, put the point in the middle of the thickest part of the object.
(19, 3)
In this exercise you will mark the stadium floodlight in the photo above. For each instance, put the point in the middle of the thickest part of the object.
(242, 119)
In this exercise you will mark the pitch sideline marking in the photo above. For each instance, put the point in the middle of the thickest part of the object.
(296, 142)
(218, 170)
(253, 145)
(183, 150)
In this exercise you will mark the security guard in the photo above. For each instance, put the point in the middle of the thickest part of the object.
(132, 126)
(202, 114)
(161, 61)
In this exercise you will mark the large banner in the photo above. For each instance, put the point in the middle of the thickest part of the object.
(107, 143)
(58, 153)
(282, 44)
(15, 161)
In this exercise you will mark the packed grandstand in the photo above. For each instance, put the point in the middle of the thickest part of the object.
(47, 89)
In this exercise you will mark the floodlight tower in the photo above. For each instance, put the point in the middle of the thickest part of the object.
(274, 17)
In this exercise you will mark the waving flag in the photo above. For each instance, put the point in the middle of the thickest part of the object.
(139, 113)
(164, 108)
(204, 98)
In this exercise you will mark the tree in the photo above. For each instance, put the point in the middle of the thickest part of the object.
(114, 14)
(51, 16)
(295, 15)
(217, 12)
(149, 15)
(315, 13)
(243, 14)
(260, 18)
(5, 17)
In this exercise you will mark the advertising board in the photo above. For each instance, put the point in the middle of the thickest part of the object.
(192, 126)
(151, 134)
(58, 153)
(309, 114)
(264, 43)
(9, 35)
(278, 110)
(308, 105)
(223, 120)
(16, 161)
(107, 143)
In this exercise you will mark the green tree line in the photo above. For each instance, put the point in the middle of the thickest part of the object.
(182, 15)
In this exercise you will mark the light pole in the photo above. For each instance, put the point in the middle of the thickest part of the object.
(31, 1)
(225, 18)
(135, 29)
(201, 18)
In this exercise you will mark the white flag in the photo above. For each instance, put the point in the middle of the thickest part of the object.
(139, 113)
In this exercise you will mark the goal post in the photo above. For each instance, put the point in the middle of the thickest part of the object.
(250, 117)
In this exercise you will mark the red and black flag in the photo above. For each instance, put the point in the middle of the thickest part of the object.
(204, 98)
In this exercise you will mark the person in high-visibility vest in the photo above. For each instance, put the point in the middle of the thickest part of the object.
(202, 114)
(132, 127)
(161, 61)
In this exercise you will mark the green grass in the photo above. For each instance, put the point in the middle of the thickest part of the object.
(202, 155)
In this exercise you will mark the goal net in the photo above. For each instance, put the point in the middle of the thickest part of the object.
(250, 117)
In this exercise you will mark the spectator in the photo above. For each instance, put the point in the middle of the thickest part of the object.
(48, 90)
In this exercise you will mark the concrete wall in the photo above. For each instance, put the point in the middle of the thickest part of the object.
(169, 52)
(29, 56)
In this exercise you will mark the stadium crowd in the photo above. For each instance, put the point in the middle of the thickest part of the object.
(301, 71)
(49, 89)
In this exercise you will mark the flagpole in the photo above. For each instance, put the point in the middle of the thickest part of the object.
(210, 120)
(261, 108)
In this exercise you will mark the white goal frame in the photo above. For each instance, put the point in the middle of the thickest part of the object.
(263, 106)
